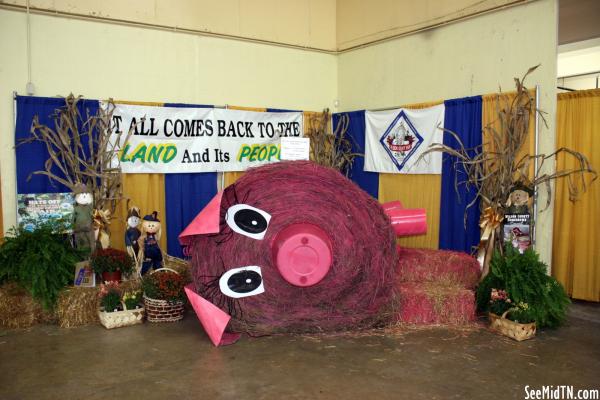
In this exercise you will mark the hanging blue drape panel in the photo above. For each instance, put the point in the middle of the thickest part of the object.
(186, 194)
(463, 117)
(280, 110)
(368, 181)
(32, 157)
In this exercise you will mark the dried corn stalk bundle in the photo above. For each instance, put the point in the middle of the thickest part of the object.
(495, 167)
(327, 148)
(82, 149)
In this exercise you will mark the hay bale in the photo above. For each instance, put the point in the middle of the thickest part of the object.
(435, 303)
(441, 266)
(358, 289)
(78, 306)
(75, 306)
(18, 309)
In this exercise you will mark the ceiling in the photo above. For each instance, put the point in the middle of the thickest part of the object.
(578, 20)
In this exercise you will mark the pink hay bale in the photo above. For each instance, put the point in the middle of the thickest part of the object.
(427, 265)
(357, 292)
(434, 303)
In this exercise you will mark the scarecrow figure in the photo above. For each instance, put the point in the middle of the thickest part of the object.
(518, 199)
(517, 217)
(150, 254)
(133, 233)
(82, 218)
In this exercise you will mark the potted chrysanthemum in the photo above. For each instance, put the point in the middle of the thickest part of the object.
(164, 295)
(112, 264)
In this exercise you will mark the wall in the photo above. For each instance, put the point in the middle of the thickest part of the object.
(472, 57)
(100, 60)
(307, 23)
(577, 59)
(360, 22)
(327, 25)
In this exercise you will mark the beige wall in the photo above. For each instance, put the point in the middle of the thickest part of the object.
(327, 25)
(306, 23)
(579, 58)
(101, 60)
(360, 22)
(469, 58)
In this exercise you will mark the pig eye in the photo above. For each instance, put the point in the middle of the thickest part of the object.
(248, 221)
(242, 282)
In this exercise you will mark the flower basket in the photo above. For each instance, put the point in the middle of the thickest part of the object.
(117, 319)
(512, 329)
(163, 310)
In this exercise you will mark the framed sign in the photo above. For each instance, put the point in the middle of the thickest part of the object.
(36, 208)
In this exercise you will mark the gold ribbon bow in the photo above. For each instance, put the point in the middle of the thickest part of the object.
(489, 222)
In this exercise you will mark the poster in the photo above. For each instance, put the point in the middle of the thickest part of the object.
(36, 208)
(84, 275)
(395, 139)
(295, 148)
(517, 231)
(177, 140)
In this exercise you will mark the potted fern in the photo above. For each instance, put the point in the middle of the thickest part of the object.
(42, 261)
(519, 290)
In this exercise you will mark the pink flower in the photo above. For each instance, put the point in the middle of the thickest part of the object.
(495, 294)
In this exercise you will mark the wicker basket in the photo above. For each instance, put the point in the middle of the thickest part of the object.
(512, 329)
(163, 310)
(117, 319)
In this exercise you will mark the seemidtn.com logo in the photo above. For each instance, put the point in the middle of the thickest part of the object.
(560, 392)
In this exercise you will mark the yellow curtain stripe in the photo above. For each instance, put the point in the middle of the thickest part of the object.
(147, 191)
(416, 191)
(575, 250)
(491, 103)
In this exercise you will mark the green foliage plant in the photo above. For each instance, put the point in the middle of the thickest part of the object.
(132, 299)
(537, 296)
(41, 261)
(111, 300)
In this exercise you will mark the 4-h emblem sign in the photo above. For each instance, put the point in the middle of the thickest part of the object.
(401, 140)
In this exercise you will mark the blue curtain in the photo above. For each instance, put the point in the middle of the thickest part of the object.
(31, 157)
(463, 117)
(186, 195)
(280, 110)
(368, 181)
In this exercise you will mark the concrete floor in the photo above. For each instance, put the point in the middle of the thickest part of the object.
(177, 361)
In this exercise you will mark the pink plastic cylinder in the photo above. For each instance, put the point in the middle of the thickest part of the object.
(406, 222)
(302, 253)
(392, 205)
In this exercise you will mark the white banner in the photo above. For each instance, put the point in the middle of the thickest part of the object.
(175, 140)
(395, 139)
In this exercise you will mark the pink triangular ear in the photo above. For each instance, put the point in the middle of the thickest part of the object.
(207, 221)
(212, 318)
